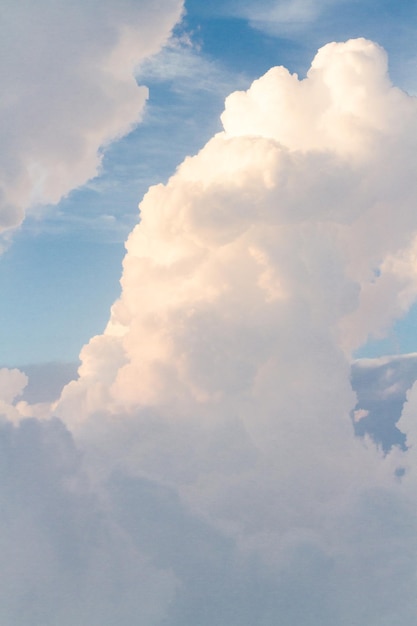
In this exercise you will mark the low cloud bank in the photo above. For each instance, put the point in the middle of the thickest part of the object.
(213, 416)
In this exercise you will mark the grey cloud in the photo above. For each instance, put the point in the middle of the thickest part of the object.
(46, 380)
(381, 386)
(64, 561)
(129, 550)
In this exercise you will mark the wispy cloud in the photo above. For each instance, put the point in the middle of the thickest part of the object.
(183, 66)
(283, 16)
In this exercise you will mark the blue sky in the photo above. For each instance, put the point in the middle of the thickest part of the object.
(208, 406)
(79, 241)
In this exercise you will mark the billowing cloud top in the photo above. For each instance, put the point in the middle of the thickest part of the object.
(67, 75)
(214, 411)
(290, 231)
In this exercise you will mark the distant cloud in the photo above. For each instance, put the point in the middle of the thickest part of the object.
(181, 65)
(67, 72)
(282, 16)
(45, 381)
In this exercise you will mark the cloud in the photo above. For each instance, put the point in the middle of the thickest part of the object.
(279, 17)
(65, 559)
(213, 416)
(12, 384)
(234, 230)
(224, 371)
(182, 66)
(68, 77)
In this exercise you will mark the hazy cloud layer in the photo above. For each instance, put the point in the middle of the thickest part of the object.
(213, 416)
(67, 74)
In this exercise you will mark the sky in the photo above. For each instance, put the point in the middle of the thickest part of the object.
(208, 336)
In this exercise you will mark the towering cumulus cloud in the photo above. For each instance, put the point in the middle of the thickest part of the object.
(214, 411)
(67, 74)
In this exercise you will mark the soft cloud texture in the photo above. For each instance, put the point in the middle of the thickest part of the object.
(282, 16)
(67, 74)
(65, 558)
(12, 385)
(273, 217)
(213, 415)
(224, 371)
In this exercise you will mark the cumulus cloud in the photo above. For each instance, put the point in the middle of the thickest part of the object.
(69, 89)
(272, 218)
(214, 413)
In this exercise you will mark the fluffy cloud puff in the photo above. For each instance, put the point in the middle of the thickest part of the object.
(67, 73)
(223, 376)
(291, 228)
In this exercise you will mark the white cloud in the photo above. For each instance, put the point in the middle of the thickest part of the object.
(12, 384)
(224, 371)
(282, 16)
(16, 399)
(67, 73)
(235, 230)
(360, 414)
(213, 414)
